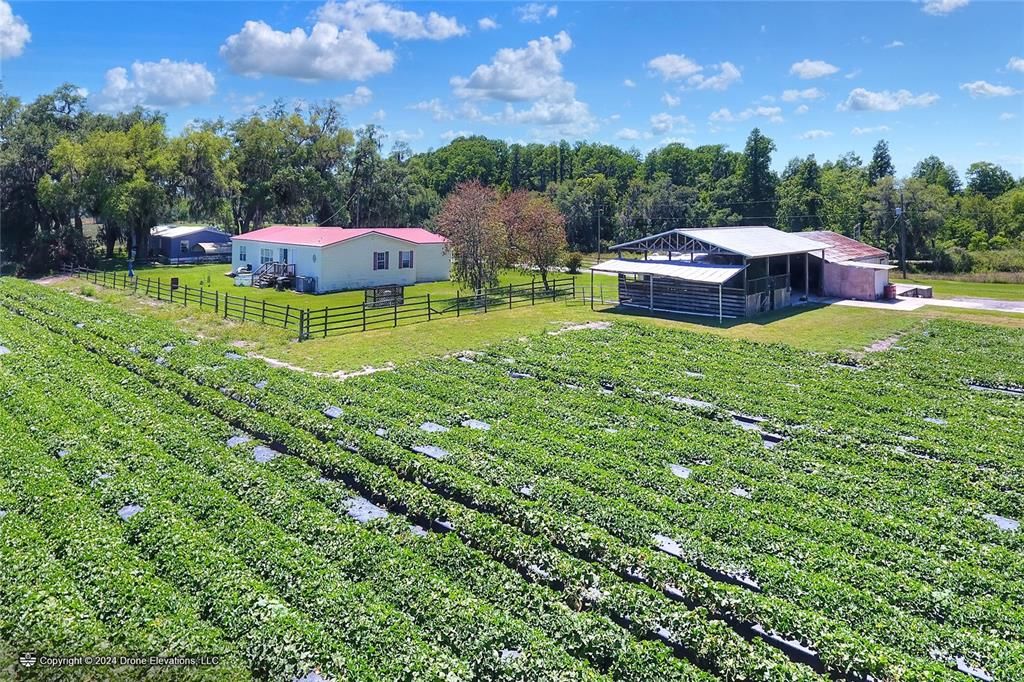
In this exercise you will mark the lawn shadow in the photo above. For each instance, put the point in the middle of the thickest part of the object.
(704, 321)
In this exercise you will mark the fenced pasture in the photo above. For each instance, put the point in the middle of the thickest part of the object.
(616, 502)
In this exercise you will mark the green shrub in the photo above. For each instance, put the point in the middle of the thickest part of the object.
(573, 262)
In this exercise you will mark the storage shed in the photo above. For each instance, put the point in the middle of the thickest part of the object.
(851, 268)
(721, 271)
(177, 244)
(326, 259)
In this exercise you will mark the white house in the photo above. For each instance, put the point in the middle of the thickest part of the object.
(339, 258)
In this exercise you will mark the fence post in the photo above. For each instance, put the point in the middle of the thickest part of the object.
(225, 305)
(485, 297)
(158, 289)
(263, 314)
(245, 305)
(396, 311)
(287, 315)
(533, 291)
(186, 296)
(458, 303)
(135, 284)
(302, 318)
(325, 323)
(364, 316)
(216, 302)
(429, 311)
(510, 296)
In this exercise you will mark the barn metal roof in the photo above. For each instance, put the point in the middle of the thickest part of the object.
(705, 273)
(175, 231)
(752, 242)
(842, 248)
(866, 266)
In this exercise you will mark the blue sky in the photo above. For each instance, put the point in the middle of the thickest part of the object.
(937, 76)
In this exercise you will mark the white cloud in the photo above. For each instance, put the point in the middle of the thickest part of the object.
(802, 109)
(434, 107)
(868, 131)
(1016, 64)
(940, 7)
(669, 100)
(535, 11)
(529, 74)
(408, 136)
(808, 69)
(379, 115)
(629, 83)
(860, 99)
(724, 115)
(986, 89)
(450, 135)
(673, 67)
(14, 33)
(1007, 116)
(726, 76)
(327, 53)
(895, 43)
(816, 134)
(797, 95)
(487, 24)
(359, 97)
(852, 74)
(665, 123)
(367, 16)
(156, 84)
(629, 134)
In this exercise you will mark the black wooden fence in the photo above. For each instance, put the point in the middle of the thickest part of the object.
(322, 322)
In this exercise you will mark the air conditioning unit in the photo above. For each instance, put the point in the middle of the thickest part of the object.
(306, 285)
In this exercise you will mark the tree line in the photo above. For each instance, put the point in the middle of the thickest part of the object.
(61, 164)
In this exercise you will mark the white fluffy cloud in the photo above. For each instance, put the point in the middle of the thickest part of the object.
(629, 134)
(535, 11)
(895, 43)
(487, 24)
(816, 134)
(666, 123)
(14, 33)
(359, 97)
(450, 135)
(673, 67)
(940, 7)
(529, 74)
(860, 99)
(434, 107)
(724, 115)
(629, 83)
(868, 131)
(670, 100)
(1016, 64)
(366, 16)
(326, 53)
(156, 84)
(808, 69)
(796, 95)
(986, 89)
(802, 109)
(727, 74)
(1007, 116)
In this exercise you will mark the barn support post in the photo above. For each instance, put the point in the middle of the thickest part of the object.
(807, 277)
(719, 303)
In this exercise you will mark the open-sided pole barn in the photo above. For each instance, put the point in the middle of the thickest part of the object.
(721, 271)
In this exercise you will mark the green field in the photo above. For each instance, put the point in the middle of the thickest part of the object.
(632, 502)
(949, 288)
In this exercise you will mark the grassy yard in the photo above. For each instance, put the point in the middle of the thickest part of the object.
(211, 277)
(820, 328)
(948, 288)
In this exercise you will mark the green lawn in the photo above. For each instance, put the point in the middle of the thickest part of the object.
(820, 328)
(948, 288)
(211, 277)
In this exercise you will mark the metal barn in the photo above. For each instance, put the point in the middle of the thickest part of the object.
(732, 272)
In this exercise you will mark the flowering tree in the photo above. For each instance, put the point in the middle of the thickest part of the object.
(535, 228)
(478, 240)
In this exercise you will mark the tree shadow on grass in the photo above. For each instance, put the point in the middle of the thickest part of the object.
(727, 323)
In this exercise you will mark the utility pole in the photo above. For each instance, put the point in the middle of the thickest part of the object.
(600, 210)
(900, 215)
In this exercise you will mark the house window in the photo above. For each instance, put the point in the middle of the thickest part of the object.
(284, 256)
(404, 259)
(183, 246)
(266, 256)
(380, 260)
(241, 253)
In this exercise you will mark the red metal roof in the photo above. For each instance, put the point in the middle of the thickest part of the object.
(325, 236)
(842, 248)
